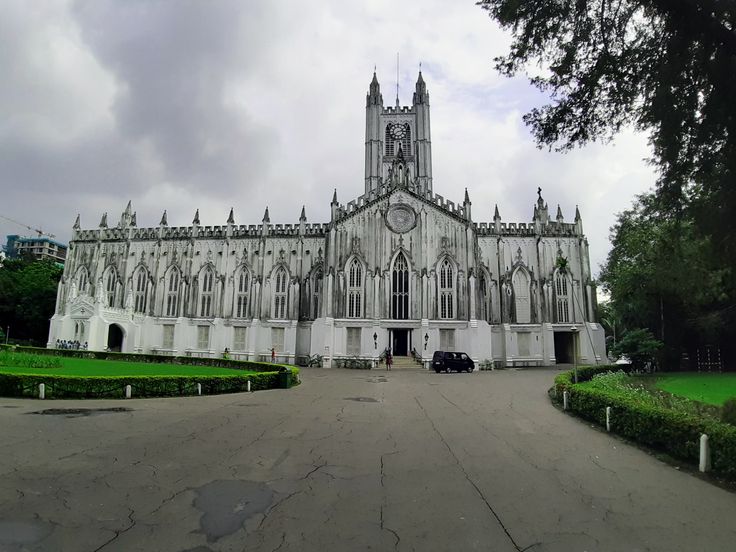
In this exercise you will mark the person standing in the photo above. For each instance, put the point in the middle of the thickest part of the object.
(389, 360)
(273, 354)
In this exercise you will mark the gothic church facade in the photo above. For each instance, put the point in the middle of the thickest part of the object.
(399, 267)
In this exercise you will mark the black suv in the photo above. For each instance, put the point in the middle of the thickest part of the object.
(449, 361)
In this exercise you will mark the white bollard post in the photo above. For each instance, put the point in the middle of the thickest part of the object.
(248, 386)
(704, 453)
(608, 418)
(41, 390)
(128, 391)
(565, 400)
(199, 389)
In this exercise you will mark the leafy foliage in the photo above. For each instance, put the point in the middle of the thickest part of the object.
(27, 297)
(645, 420)
(75, 387)
(665, 68)
(639, 345)
(728, 414)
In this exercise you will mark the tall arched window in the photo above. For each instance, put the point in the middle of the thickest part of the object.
(522, 302)
(316, 293)
(279, 294)
(483, 289)
(207, 286)
(400, 289)
(111, 286)
(446, 287)
(241, 294)
(563, 298)
(172, 293)
(141, 290)
(355, 289)
(82, 280)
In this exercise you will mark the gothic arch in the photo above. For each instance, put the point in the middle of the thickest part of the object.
(140, 285)
(111, 285)
(521, 283)
(206, 286)
(400, 272)
(447, 272)
(81, 279)
(279, 279)
(563, 299)
(355, 271)
(242, 281)
(173, 285)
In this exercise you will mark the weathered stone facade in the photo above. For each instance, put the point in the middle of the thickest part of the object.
(398, 267)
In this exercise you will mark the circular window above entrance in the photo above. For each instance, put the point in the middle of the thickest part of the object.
(401, 218)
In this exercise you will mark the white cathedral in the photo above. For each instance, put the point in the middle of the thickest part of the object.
(399, 267)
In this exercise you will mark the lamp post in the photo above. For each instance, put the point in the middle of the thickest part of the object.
(375, 340)
(426, 340)
(574, 331)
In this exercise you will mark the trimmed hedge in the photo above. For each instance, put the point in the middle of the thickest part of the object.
(109, 387)
(156, 359)
(676, 433)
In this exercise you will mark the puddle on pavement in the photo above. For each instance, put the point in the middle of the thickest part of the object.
(379, 379)
(17, 535)
(81, 412)
(361, 399)
(226, 505)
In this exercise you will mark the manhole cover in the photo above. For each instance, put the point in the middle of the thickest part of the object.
(79, 412)
(361, 399)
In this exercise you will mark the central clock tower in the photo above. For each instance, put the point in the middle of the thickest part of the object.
(400, 132)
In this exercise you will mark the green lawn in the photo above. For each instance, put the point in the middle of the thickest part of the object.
(93, 367)
(707, 388)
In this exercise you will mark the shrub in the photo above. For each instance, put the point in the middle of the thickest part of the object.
(639, 345)
(77, 387)
(647, 420)
(728, 413)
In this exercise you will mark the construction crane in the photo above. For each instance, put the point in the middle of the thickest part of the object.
(36, 230)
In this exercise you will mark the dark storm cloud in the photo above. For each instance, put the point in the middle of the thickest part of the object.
(172, 62)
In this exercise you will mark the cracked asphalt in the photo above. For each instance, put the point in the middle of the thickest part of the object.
(349, 460)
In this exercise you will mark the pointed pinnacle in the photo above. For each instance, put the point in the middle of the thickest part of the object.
(495, 213)
(577, 214)
(196, 217)
(164, 220)
(467, 197)
(334, 197)
(134, 220)
(76, 223)
(128, 208)
(559, 212)
(231, 217)
(266, 218)
(103, 221)
(303, 216)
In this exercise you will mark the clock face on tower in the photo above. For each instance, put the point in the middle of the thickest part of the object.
(398, 132)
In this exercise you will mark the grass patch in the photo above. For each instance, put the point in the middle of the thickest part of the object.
(16, 363)
(713, 389)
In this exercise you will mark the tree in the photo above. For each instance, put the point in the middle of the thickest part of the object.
(639, 345)
(667, 68)
(27, 297)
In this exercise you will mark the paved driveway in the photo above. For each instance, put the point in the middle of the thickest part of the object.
(349, 460)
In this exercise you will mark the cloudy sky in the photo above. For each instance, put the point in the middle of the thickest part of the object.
(186, 104)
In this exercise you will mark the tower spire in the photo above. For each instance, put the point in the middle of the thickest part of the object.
(397, 79)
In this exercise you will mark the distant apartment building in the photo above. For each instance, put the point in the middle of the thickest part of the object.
(39, 247)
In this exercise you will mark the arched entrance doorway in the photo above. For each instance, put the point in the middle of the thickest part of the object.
(115, 338)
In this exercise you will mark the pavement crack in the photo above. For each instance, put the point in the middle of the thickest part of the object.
(120, 532)
(468, 478)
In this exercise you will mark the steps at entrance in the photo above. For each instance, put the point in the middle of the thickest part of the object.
(404, 363)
